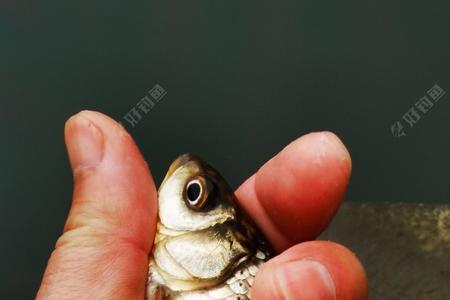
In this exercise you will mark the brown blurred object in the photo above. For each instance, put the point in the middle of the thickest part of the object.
(405, 248)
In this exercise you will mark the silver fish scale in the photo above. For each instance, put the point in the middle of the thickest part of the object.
(237, 287)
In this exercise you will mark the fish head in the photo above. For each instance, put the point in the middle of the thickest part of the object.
(194, 196)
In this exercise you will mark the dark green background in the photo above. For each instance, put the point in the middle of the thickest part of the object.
(243, 80)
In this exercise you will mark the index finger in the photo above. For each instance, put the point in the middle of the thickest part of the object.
(294, 196)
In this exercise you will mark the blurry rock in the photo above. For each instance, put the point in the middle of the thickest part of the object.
(405, 248)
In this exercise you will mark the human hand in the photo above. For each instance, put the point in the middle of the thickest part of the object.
(103, 252)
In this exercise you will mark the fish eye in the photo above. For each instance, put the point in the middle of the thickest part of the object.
(194, 191)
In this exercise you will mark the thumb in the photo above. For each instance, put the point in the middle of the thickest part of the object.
(103, 251)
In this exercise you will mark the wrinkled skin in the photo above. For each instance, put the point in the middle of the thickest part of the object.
(103, 252)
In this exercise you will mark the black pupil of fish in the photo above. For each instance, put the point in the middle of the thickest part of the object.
(193, 191)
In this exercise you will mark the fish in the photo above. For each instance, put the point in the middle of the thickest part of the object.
(206, 247)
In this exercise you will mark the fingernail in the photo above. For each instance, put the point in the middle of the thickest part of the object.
(84, 142)
(305, 279)
(331, 141)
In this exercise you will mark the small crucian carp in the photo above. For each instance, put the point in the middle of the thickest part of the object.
(206, 248)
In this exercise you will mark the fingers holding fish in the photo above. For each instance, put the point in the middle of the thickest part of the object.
(292, 198)
(205, 246)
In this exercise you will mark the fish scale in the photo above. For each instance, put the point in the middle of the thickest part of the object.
(237, 287)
